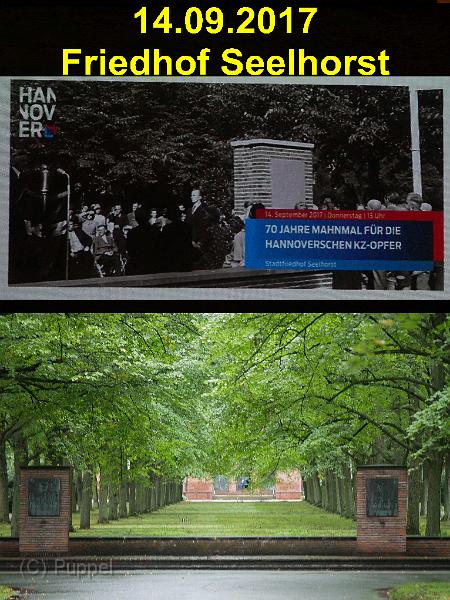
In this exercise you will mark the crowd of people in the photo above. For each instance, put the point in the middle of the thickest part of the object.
(146, 240)
(198, 236)
(378, 280)
(103, 239)
(388, 280)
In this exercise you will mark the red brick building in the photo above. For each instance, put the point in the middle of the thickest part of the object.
(287, 486)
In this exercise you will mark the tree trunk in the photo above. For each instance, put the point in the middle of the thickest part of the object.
(446, 490)
(413, 517)
(435, 463)
(140, 497)
(317, 490)
(95, 499)
(123, 510)
(132, 499)
(4, 507)
(331, 484)
(153, 498)
(74, 492)
(20, 459)
(324, 489)
(103, 499)
(424, 495)
(341, 497)
(79, 490)
(348, 493)
(433, 527)
(306, 491)
(113, 503)
(86, 499)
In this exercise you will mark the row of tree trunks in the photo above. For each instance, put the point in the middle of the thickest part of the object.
(119, 498)
(333, 493)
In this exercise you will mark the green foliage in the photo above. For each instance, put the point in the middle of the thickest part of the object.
(6, 592)
(152, 142)
(99, 389)
(326, 391)
(178, 394)
(432, 425)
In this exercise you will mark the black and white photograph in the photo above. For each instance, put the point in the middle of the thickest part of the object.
(151, 183)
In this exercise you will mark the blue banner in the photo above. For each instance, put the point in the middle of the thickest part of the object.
(338, 245)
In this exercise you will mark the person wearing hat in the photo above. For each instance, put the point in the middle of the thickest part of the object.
(89, 226)
(82, 215)
(99, 219)
(374, 204)
(413, 201)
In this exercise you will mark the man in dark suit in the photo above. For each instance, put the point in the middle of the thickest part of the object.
(105, 253)
(80, 258)
(175, 242)
(198, 219)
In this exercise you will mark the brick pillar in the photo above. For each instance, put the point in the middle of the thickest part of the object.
(277, 173)
(199, 489)
(381, 504)
(45, 497)
(288, 486)
(232, 487)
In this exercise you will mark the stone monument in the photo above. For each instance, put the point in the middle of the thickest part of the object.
(44, 510)
(277, 173)
(381, 504)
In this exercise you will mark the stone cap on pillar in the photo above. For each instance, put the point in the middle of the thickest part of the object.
(270, 142)
(384, 467)
(45, 467)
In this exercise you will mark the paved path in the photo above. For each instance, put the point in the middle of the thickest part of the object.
(216, 585)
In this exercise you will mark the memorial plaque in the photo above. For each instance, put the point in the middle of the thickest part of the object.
(382, 497)
(221, 484)
(43, 496)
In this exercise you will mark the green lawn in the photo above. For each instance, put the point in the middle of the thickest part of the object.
(421, 591)
(226, 519)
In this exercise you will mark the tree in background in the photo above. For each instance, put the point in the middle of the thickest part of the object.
(153, 142)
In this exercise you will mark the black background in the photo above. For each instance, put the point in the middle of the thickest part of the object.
(415, 34)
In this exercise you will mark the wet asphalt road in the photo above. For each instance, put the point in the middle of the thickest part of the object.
(216, 585)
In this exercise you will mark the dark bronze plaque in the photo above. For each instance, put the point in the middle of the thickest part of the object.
(43, 496)
(382, 497)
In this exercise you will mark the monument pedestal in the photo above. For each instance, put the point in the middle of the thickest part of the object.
(44, 510)
(278, 173)
(381, 504)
